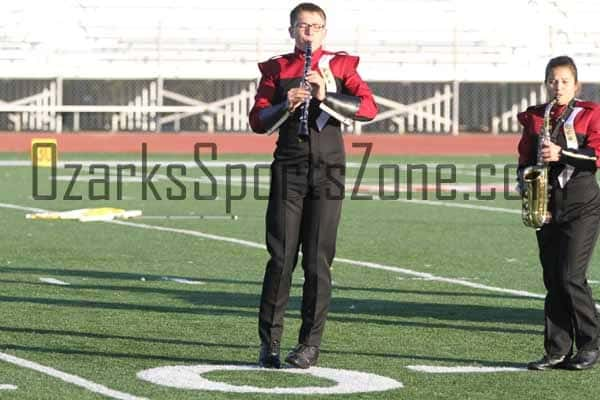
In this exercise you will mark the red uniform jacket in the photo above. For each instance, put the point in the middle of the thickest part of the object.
(282, 73)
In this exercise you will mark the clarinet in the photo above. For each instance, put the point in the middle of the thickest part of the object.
(303, 128)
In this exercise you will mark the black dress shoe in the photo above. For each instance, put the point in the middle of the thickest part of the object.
(549, 362)
(303, 356)
(584, 359)
(269, 355)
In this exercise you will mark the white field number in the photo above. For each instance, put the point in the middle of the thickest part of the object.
(190, 377)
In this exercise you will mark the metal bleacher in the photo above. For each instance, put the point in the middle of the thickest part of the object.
(425, 40)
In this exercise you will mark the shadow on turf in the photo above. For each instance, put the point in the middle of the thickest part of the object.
(216, 304)
(248, 351)
(153, 278)
(236, 303)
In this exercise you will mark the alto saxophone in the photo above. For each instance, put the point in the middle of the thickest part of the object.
(536, 188)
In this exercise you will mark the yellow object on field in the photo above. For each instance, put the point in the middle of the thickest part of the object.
(44, 152)
(88, 214)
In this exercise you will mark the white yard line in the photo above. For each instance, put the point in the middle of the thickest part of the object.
(53, 281)
(8, 387)
(21, 208)
(436, 369)
(184, 281)
(460, 205)
(431, 277)
(191, 233)
(69, 378)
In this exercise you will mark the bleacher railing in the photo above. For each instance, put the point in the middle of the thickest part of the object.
(159, 105)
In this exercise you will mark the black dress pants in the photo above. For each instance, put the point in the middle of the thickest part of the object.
(304, 210)
(570, 312)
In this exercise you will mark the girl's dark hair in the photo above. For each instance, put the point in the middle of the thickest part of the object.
(561, 61)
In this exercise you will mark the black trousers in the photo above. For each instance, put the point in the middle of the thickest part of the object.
(570, 312)
(304, 209)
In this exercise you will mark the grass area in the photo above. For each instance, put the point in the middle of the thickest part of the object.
(122, 312)
(267, 379)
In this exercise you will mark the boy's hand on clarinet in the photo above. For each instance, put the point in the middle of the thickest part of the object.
(318, 84)
(296, 96)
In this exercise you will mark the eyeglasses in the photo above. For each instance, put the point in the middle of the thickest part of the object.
(315, 27)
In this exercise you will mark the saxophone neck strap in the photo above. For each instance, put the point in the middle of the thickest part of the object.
(562, 118)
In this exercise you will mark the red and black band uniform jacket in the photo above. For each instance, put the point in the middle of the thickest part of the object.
(580, 194)
(282, 73)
